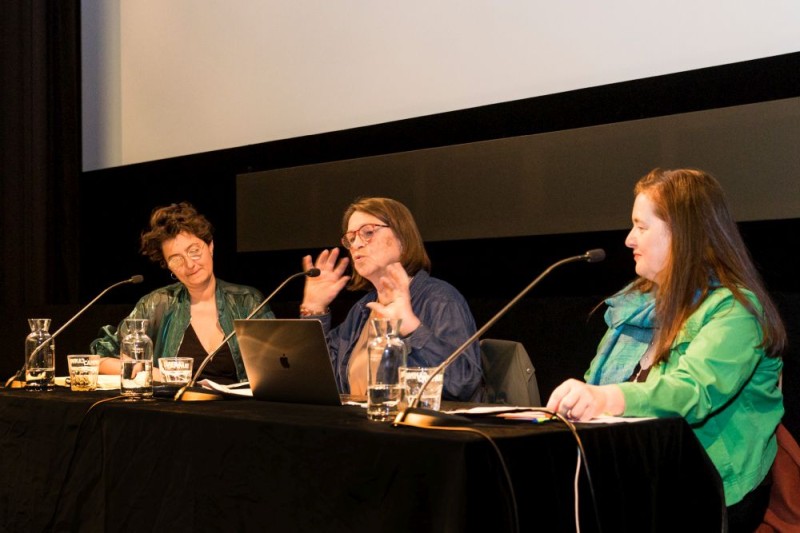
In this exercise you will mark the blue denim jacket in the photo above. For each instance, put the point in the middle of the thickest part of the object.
(446, 322)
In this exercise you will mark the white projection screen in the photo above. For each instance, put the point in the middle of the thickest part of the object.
(166, 78)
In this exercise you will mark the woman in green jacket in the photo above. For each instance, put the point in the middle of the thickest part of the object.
(695, 335)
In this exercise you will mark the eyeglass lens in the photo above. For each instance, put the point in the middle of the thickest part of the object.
(194, 253)
(366, 232)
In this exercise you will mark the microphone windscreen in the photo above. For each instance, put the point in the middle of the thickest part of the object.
(593, 256)
(138, 278)
(312, 272)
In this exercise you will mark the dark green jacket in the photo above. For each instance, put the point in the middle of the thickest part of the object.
(167, 310)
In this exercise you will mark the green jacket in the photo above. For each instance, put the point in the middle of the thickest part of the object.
(716, 378)
(167, 310)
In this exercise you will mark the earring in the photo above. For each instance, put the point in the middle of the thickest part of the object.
(172, 275)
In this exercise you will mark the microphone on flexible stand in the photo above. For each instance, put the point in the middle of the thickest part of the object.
(14, 382)
(194, 396)
(419, 417)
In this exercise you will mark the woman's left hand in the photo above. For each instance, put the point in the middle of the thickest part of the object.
(394, 299)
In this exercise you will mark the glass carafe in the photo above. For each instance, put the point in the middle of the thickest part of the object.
(136, 361)
(386, 354)
(40, 363)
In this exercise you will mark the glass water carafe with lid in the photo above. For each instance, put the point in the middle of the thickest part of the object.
(386, 353)
(40, 361)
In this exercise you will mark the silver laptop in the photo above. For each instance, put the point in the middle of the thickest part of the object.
(287, 360)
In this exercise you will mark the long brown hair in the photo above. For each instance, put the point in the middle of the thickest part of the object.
(707, 250)
(413, 256)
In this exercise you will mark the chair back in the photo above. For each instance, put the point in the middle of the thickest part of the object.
(509, 376)
(783, 511)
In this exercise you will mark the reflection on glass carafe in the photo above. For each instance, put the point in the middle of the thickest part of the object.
(386, 354)
(40, 361)
(136, 361)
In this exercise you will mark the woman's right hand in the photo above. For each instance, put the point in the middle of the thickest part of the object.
(580, 401)
(320, 291)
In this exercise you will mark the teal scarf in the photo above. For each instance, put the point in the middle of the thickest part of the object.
(631, 321)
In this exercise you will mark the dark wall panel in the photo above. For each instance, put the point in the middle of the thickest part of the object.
(567, 181)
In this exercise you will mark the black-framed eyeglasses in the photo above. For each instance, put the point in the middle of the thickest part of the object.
(366, 232)
(195, 253)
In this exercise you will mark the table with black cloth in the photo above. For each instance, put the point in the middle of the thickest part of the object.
(71, 464)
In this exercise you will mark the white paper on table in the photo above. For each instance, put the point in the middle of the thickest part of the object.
(535, 415)
(608, 419)
(108, 382)
(511, 412)
(490, 410)
(236, 389)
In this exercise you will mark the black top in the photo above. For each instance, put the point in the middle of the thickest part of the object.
(220, 369)
(639, 375)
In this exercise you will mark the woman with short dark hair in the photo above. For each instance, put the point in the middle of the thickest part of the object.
(191, 317)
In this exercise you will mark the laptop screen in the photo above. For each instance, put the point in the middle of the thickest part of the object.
(287, 360)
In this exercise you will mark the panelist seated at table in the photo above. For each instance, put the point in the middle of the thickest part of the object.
(695, 335)
(389, 259)
(189, 318)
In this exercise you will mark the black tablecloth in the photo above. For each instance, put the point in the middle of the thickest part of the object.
(244, 465)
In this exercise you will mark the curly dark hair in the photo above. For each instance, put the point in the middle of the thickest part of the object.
(167, 222)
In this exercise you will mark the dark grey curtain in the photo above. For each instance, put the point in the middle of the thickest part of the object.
(40, 164)
(40, 152)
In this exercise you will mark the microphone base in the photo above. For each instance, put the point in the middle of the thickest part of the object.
(423, 418)
(194, 395)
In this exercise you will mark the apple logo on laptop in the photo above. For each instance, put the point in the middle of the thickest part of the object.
(284, 361)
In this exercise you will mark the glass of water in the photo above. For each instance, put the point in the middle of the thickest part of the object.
(413, 378)
(175, 370)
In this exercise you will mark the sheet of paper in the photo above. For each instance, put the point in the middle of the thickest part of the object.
(608, 419)
(107, 382)
(243, 389)
(489, 410)
(510, 412)
(532, 414)
(236, 389)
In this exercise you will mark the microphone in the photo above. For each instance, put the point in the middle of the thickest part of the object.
(200, 396)
(133, 279)
(419, 417)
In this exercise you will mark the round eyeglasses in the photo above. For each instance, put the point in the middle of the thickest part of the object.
(195, 252)
(366, 232)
